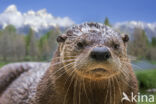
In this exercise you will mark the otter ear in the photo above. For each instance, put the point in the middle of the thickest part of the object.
(61, 38)
(125, 38)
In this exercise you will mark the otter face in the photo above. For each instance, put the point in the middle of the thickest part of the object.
(94, 50)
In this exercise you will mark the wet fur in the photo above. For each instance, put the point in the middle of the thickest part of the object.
(54, 85)
(11, 72)
(52, 90)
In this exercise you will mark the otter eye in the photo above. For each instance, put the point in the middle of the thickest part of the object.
(116, 46)
(80, 45)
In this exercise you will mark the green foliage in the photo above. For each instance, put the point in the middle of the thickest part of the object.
(106, 22)
(153, 42)
(16, 47)
(139, 46)
(146, 78)
(0, 32)
(10, 29)
(145, 38)
(29, 37)
(12, 45)
(47, 43)
(31, 44)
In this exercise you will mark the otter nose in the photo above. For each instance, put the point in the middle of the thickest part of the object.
(100, 53)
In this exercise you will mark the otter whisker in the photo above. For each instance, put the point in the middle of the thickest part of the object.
(70, 74)
(125, 59)
(112, 87)
(64, 71)
(61, 68)
(113, 90)
(69, 49)
(118, 86)
(106, 92)
(61, 62)
(85, 90)
(110, 91)
(79, 93)
(80, 87)
(67, 52)
(124, 71)
(133, 65)
(126, 81)
(71, 56)
(72, 79)
(75, 86)
(68, 60)
(61, 57)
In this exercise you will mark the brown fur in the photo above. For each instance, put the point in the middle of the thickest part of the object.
(10, 72)
(53, 91)
(70, 88)
(67, 83)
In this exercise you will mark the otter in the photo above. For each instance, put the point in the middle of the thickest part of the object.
(90, 66)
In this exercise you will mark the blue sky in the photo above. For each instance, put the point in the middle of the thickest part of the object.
(91, 10)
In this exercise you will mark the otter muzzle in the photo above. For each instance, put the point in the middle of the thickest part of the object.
(100, 54)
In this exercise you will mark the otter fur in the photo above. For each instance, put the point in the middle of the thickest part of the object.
(90, 66)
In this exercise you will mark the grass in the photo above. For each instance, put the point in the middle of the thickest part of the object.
(146, 80)
(153, 62)
(2, 64)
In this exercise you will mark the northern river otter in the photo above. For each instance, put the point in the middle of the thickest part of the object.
(90, 66)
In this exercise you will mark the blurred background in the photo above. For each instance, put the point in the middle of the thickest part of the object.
(28, 30)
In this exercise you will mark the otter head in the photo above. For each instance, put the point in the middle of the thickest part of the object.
(93, 51)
